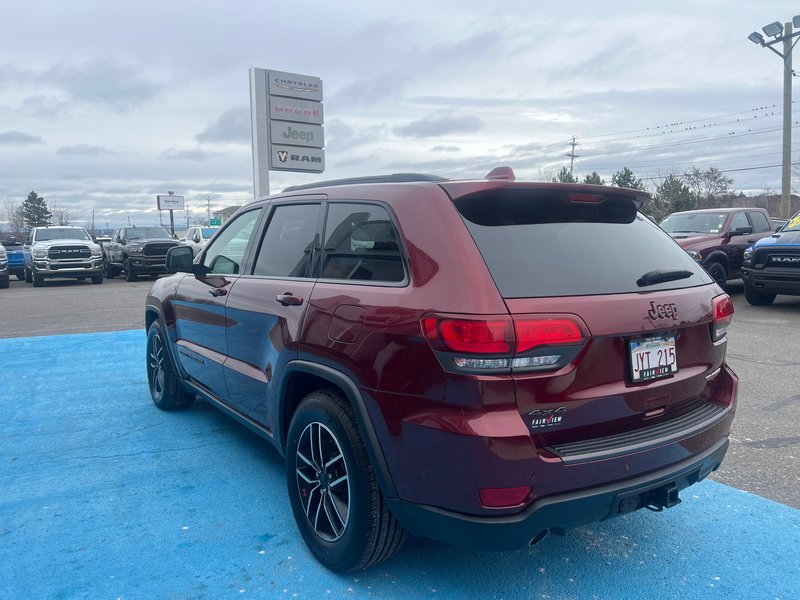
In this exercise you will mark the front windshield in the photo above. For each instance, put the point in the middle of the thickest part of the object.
(707, 222)
(793, 224)
(147, 233)
(207, 233)
(64, 233)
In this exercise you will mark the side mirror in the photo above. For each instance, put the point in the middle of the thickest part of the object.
(742, 231)
(179, 259)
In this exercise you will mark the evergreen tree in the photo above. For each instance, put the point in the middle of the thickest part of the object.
(564, 176)
(625, 178)
(35, 212)
(594, 178)
(672, 195)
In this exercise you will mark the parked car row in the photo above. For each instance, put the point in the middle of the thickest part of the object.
(68, 252)
(725, 241)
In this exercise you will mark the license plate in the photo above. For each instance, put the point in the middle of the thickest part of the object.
(653, 358)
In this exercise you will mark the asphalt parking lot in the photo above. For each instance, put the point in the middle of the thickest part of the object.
(104, 496)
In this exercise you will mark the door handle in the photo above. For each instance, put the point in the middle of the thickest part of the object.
(289, 299)
(217, 292)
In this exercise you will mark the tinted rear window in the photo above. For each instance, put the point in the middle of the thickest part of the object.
(537, 244)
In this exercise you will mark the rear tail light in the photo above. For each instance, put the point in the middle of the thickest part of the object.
(722, 307)
(479, 337)
(502, 343)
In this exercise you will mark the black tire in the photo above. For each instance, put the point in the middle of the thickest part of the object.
(38, 280)
(4, 283)
(97, 279)
(718, 273)
(28, 276)
(758, 298)
(21, 276)
(109, 270)
(162, 381)
(129, 274)
(350, 527)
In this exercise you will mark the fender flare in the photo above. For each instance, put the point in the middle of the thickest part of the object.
(356, 400)
(176, 364)
(720, 257)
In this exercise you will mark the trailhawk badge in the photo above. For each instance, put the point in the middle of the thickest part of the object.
(542, 418)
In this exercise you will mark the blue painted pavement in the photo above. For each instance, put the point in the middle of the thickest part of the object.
(104, 496)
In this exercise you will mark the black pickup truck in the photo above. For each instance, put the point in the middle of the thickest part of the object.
(137, 251)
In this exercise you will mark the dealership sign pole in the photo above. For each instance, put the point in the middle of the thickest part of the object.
(170, 202)
(287, 125)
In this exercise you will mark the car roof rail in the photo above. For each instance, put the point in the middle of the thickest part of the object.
(393, 178)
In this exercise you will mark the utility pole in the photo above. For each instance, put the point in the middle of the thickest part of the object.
(208, 215)
(783, 33)
(572, 155)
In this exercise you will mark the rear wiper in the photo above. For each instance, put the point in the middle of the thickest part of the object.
(660, 276)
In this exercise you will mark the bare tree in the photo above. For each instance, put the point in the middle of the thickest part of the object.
(12, 211)
(61, 214)
(710, 188)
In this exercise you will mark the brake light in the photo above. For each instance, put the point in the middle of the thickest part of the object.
(546, 332)
(722, 308)
(586, 198)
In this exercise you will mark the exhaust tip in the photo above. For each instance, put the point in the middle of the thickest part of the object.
(539, 537)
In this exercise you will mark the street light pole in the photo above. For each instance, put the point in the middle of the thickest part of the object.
(786, 166)
(783, 33)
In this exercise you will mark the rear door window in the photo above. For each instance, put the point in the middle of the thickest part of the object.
(361, 244)
(537, 244)
(760, 222)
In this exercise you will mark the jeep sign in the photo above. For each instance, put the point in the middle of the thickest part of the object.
(296, 134)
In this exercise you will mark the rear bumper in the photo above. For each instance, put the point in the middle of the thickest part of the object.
(557, 514)
(773, 281)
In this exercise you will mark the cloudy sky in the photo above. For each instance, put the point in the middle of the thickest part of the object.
(103, 104)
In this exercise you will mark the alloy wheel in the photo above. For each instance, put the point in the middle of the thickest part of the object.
(155, 361)
(323, 482)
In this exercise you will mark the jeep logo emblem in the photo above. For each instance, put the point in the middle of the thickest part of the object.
(662, 311)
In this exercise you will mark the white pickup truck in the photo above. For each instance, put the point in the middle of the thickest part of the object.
(61, 252)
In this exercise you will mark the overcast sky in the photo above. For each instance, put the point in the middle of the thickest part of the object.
(103, 105)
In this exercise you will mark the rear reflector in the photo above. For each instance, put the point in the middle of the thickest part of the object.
(722, 307)
(504, 497)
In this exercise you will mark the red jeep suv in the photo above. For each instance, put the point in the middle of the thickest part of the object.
(478, 362)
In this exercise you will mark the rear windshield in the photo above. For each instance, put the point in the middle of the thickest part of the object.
(538, 244)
